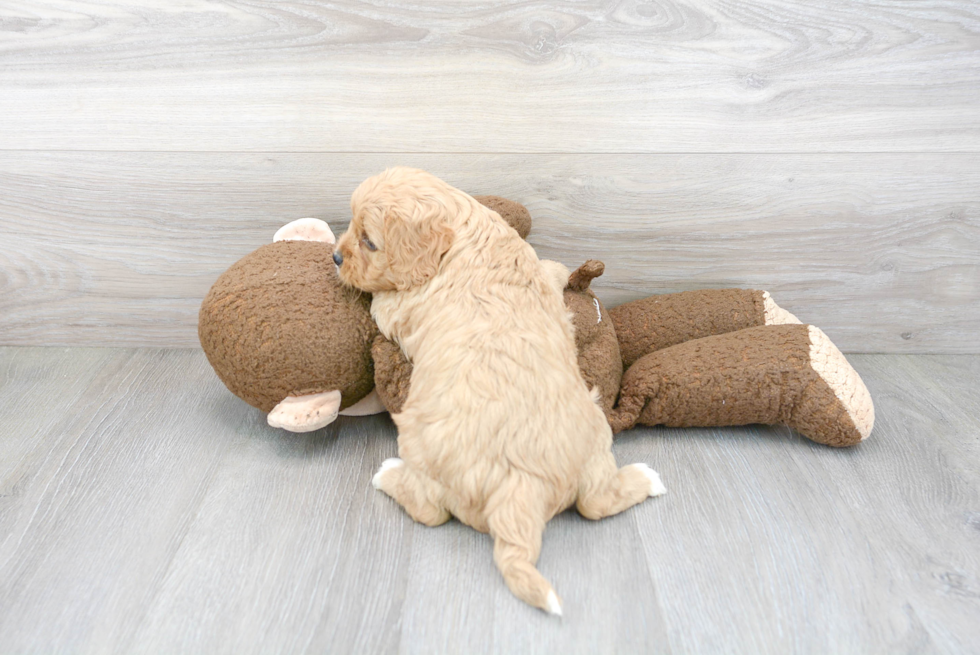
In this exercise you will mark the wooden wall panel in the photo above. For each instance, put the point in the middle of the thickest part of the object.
(881, 251)
(478, 76)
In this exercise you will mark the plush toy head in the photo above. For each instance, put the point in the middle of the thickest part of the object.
(279, 323)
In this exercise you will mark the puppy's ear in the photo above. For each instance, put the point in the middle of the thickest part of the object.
(414, 249)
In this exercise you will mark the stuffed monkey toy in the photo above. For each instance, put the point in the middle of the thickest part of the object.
(284, 335)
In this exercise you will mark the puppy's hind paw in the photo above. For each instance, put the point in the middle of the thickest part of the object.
(657, 487)
(388, 464)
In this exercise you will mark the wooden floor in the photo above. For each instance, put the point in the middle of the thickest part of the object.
(143, 508)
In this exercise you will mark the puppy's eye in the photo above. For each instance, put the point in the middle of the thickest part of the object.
(368, 244)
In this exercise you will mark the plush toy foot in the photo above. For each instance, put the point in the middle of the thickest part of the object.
(772, 374)
(776, 315)
(366, 406)
(305, 229)
(820, 411)
(305, 413)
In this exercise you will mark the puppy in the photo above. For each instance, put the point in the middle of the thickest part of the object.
(499, 428)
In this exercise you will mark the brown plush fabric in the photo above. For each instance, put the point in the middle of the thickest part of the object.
(279, 323)
(595, 337)
(582, 277)
(650, 324)
(757, 375)
(598, 349)
(516, 214)
(392, 373)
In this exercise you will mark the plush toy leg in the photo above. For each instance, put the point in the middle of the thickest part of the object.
(392, 373)
(776, 315)
(606, 490)
(410, 490)
(779, 374)
(305, 413)
(651, 324)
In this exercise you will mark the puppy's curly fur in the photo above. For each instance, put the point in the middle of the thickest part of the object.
(499, 428)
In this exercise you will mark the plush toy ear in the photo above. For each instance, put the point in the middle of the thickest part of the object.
(414, 249)
(305, 229)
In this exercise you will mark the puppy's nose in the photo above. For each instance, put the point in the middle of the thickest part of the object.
(338, 259)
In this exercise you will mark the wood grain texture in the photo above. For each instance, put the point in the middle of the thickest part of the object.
(104, 496)
(635, 76)
(875, 549)
(292, 544)
(882, 252)
(154, 512)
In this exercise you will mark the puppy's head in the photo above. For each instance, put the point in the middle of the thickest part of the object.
(402, 225)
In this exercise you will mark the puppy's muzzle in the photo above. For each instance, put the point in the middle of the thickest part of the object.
(338, 259)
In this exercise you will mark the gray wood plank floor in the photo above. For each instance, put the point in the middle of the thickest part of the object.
(145, 509)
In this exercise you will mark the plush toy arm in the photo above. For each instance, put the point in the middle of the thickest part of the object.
(595, 338)
(777, 374)
(392, 373)
(584, 274)
(650, 324)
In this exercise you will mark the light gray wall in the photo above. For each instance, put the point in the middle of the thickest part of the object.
(828, 154)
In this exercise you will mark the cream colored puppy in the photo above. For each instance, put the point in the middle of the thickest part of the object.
(498, 428)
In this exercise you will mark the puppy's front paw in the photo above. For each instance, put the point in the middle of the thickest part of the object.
(387, 465)
(657, 487)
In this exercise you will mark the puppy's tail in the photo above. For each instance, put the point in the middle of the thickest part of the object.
(516, 526)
